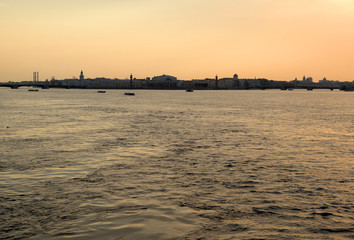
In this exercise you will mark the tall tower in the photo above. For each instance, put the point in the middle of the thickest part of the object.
(82, 76)
(131, 80)
(216, 81)
(35, 77)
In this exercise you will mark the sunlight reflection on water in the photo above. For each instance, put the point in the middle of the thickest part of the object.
(170, 165)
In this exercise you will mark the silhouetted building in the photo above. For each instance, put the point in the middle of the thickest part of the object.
(164, 81)
(307, 79)
(164, 78)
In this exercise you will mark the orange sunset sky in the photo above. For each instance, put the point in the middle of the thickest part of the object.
(274, 39)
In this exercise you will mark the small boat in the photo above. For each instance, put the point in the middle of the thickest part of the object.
(101, 91)
(33, 90)
(189, 90)
(290, 89)
(129, 94)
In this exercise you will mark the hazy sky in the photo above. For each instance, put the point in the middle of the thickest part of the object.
(275, 39)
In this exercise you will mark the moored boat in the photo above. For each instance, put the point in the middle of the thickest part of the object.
(189, 90)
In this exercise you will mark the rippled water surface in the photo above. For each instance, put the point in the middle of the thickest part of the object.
(76, 164)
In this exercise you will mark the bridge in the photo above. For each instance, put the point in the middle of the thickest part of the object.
(15, 85)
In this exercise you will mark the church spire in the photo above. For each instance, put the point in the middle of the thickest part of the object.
(82, 75)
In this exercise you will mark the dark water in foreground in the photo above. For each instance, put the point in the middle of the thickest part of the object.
(75, 164)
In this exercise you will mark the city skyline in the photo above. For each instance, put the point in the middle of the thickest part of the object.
(278, 40)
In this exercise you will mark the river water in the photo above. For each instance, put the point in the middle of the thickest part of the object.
(77, 164)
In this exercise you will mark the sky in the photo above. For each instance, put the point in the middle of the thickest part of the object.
(189, 39)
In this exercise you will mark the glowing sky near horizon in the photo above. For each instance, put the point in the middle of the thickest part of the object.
(275, 39)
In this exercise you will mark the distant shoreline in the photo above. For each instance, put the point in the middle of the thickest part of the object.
(183, 89)
(166, 82)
